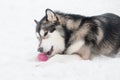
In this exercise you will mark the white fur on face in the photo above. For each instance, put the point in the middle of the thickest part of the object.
(37, 35)
(75, 47)
(54, 40)
(42, 32)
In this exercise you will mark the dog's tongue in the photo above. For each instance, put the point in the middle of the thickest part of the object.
(42, 57)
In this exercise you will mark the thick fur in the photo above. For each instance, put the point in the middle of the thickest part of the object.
(85, 36)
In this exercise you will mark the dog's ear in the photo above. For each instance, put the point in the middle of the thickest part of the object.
(36, 21)
(50, 15)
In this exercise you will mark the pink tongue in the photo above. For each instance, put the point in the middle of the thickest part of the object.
(42, 57)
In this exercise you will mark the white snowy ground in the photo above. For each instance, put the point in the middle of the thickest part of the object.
(18, 42)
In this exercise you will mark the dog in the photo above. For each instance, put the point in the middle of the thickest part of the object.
(62, 33)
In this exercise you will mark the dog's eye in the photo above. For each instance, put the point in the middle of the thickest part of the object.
(45, 33)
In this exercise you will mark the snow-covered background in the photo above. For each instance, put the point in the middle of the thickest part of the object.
(18, 43)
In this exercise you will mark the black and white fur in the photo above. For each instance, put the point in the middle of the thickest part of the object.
(77, 34)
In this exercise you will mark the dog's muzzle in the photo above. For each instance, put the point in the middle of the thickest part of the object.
(40, 49)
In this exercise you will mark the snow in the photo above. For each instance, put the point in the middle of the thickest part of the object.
(18, 43)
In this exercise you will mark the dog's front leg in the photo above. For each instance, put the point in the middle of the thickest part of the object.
(84, 52)
(80, 49)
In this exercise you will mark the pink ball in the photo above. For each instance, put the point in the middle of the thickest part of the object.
(42, 57)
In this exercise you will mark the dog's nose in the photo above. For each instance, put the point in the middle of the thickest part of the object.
(40, 49)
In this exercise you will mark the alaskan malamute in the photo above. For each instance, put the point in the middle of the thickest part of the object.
(76, 34)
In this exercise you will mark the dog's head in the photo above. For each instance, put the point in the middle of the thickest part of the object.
(50, 34)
